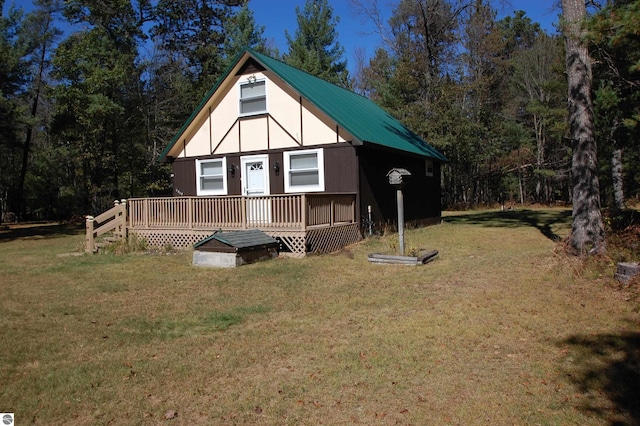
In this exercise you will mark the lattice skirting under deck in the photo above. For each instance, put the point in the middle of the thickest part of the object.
(175, 238)
(299, 243)
(327, 240)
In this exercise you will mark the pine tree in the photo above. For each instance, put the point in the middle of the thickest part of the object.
(12, 79)
(191, 33)
(315, 48)
(189, 39)
(98, 120)
(38, 35)
(616, 50)
(242, 31)
(587, 231)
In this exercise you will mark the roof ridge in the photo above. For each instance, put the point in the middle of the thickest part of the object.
(255, 53)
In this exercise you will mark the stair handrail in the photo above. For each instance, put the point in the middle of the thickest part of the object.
(114, 219)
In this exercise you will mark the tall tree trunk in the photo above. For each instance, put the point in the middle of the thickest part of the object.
(587, 233)
(616, 175)
(538, 127)
(521, 187)
(27, 147)
(34, 109)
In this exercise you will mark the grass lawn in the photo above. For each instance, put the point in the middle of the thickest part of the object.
(500, 329)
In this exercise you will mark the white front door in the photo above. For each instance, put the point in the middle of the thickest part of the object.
(255, 185)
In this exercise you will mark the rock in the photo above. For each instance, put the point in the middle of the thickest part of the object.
(626, 270)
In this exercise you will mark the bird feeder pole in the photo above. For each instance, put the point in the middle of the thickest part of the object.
(400, 200)
(397, 178)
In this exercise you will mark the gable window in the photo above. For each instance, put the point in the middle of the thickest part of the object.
(211, 177)
(304, 171)
(428, 165)
(253, 97)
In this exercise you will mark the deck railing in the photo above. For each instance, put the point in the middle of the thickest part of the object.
(290, 211)
(113, 220)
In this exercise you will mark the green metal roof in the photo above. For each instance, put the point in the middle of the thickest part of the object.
(358, 115)
(239, 239)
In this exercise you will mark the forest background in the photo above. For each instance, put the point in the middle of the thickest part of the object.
(85, 112)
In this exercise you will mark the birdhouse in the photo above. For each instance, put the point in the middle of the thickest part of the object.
(398, 177)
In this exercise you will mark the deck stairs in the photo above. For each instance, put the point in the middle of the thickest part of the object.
(107, 228)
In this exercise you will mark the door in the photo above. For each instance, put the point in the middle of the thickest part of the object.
(255, 186)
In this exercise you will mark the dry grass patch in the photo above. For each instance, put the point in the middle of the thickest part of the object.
(498, 330)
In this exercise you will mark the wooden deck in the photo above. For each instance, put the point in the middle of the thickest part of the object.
(302, 222)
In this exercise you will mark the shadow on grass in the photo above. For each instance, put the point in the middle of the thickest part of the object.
(606, 370)
(543, 220)
(42, 230)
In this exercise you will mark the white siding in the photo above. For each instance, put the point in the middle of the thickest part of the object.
(286, 125)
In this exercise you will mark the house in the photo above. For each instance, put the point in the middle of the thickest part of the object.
(275, 148)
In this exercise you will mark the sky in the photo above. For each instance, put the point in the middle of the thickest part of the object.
(354, 32)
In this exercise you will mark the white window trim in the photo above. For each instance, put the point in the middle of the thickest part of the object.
(199, 190)
(305, 188)
(266, 98)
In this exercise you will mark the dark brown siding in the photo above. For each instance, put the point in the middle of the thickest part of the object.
(362, 170)
(340, 168)
(234, 186)
(184, 177)
(276, 180)
(421, 194)
(250, 67)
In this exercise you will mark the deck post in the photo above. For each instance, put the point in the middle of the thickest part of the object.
(116, 217)
(190, 213)
(303, 208)
(123, 218)
(88, 245)
(332, 213)
(145, 212)
(243, 207)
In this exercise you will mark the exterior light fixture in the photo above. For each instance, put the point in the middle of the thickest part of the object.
(252, 79)
(276, 168)
(232, 170)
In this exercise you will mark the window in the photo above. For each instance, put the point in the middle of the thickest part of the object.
(304, 171)
(253, 98)
(211, 177)
(428, 166)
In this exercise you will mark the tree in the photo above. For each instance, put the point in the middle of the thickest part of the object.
(587, 231)
(489, 94)
(98, 122)
(38, 35)
(538, 93)
(315, 47)
(191, 33)
(191, 51)
(518, 32)
(484, 82)
(424, 38)
(242, 31)
(12, 79)
(616, 50)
